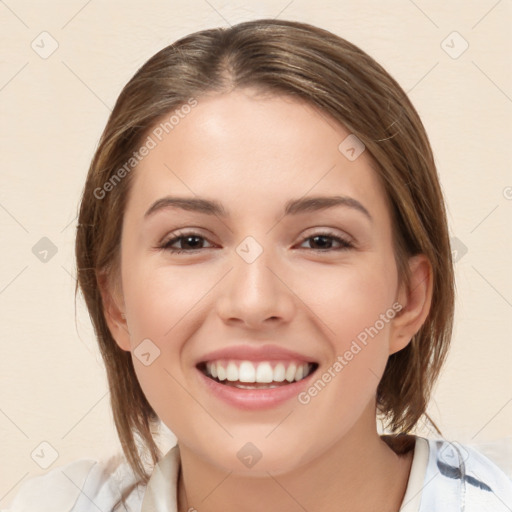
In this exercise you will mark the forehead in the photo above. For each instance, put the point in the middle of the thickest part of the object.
(252, 150)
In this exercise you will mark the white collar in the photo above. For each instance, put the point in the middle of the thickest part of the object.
(161, 491)
(415, 484)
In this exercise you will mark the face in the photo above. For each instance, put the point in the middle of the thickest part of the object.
(312, 287)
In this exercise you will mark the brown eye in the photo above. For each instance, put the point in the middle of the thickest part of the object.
(189, 242)
(192, 242)
(324, 242)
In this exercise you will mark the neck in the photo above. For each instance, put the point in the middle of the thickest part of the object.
(360, 472)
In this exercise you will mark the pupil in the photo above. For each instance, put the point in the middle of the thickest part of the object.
(315, 238)
(188, 238)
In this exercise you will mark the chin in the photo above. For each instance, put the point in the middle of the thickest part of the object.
(259, 457)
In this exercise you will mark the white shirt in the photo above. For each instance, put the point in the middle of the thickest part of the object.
(444, 476)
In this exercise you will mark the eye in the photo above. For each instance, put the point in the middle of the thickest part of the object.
(326, 238)
(190, 239)
(191, 242)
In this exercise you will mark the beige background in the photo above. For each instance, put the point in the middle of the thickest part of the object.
(53, 109)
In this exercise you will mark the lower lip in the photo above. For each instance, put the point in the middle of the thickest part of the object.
(253, 399)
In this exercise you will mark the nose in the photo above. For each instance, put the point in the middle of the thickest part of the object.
(256, 295)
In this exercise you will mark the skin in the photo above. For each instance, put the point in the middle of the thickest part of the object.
(253, 153)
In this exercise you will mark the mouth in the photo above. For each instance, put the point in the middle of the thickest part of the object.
(244, 374)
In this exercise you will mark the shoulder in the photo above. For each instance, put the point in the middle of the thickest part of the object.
(81, 485)
(459, 477)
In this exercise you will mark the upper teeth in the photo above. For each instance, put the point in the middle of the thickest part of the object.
(246, 371)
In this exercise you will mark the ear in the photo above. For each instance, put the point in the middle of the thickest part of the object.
(415, 301)
(114, 308)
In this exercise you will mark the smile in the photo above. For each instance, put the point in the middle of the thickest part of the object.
(244, 374)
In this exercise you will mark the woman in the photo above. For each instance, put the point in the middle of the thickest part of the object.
(264, 252)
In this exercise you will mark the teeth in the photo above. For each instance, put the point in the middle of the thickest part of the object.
(263, 372)
(279, 372)
(221, 372)
(246, 372)
(291, 372)
(232, 372)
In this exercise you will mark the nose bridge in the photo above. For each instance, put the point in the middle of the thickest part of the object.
(254, 290)
(252, 266)
(252, 275)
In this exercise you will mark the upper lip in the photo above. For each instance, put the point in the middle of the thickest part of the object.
(255, 353)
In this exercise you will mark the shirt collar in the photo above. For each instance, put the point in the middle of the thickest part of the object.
(161, 491)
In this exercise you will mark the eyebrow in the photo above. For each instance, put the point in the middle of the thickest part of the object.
(292, 207)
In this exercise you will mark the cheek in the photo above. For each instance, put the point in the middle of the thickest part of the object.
(355, 306)
(160, 304)
(158, 298)
(351, 299)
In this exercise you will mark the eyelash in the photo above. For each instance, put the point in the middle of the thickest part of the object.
(345, 244)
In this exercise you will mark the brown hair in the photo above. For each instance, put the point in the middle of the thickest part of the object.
(319, 67)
